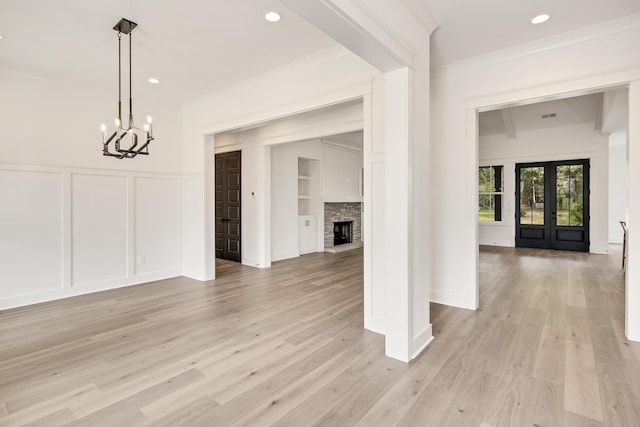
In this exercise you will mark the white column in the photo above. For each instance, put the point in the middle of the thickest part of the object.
(632, 309)
(407, 284)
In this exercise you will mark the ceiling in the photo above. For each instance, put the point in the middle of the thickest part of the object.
(470, 28)
(201, 46)
(192, 47)
(606, 111)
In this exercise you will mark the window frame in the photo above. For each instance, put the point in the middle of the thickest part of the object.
(497, 194)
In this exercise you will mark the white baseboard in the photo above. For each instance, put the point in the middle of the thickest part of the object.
(422, 341)
(603, 250)
(503, 243)
(453, 300)
(253, 262)
(284, 255)
(60, 293)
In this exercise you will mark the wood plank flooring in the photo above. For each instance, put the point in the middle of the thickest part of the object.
(286, 346)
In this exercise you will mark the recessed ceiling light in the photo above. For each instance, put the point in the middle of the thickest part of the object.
(540, 19)
(153, 81)
(272, 16)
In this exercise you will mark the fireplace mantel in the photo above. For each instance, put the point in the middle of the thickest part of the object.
(342, 199)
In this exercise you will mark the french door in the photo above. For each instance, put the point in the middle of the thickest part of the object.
(552, 205)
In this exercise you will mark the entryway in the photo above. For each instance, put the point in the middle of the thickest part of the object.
(228, 205)
(552, 205)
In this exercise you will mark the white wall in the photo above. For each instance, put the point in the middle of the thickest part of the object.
(342, 172)
(549, 144)
(73, 221)
(57, 122)
(601, 56)
(617, 185)
(284, 196)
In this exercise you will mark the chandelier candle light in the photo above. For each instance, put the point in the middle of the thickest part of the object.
(126, 139)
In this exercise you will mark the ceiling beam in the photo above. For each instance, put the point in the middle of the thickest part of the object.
(385, 33)
(509, 126)
(599, 119)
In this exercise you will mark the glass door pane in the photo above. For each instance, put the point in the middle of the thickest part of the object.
(569, 195)
(532, 195)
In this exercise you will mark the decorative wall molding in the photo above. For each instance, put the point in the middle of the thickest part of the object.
(77, 194)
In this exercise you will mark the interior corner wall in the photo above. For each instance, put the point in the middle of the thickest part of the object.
(73, 221)
(617, 185)
(541, 145)
(561, 67)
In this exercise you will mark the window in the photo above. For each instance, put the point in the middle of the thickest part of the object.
(490, 193)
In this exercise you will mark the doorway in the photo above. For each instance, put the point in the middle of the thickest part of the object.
(552, 205)
(228, 205)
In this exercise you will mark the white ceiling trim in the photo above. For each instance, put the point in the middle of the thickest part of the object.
(566, 39)
(422, 14)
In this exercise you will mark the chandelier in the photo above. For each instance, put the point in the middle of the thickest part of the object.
(126, 142)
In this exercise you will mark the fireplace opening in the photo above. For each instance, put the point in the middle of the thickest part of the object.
(342, 232)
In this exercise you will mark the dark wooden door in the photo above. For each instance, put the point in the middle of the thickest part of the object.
(552, 205)
(228, 205)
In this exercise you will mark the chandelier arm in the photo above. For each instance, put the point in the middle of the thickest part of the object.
(139, 150)
(107, 153)
(145, 146)
(113, 135)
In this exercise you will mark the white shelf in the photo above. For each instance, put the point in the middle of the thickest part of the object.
(304, 177)
(303, 197)
(342, 199)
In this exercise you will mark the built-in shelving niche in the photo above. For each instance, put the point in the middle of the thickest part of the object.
(307, 174)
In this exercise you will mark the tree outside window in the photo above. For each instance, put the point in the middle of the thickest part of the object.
(490, 191)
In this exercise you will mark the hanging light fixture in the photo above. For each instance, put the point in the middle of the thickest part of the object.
(127, 141)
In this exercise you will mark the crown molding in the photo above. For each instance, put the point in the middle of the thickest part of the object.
(615, 26)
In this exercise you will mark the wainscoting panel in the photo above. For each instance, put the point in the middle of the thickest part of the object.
(68, 231)
(31, 230)
(99, 230)
(157, 225)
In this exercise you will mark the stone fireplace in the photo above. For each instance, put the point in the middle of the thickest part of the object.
(342, 214)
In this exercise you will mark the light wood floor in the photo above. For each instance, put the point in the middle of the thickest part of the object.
(286, 346)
